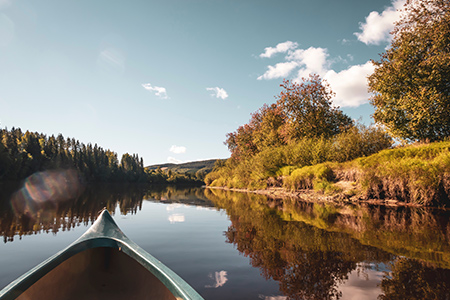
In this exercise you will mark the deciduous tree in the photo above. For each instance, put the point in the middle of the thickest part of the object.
(309, 110)
(303, 110)
(411, 82)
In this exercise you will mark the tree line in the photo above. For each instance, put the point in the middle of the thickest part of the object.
(25, 153)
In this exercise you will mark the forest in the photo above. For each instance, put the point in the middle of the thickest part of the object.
(25, 153)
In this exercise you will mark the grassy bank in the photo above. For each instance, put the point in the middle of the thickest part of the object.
(416, 174)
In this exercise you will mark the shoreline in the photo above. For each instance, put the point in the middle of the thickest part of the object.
(309, 195)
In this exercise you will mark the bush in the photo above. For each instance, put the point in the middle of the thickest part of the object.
(317, 177)
(273, 161)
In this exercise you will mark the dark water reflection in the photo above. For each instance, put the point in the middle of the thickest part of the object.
(55, 214)
(312, 251)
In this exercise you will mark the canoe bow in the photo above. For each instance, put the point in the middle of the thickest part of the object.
(104, 233)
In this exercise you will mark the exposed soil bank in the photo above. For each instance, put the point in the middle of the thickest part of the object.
(310, 195)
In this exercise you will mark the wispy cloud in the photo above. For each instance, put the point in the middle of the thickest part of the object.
(280, 48)
(174, 160)
(177, 149)
(218, 92)
(376, 28)
(350, 85)
(159, 91)
(111, 60)
(6, 27)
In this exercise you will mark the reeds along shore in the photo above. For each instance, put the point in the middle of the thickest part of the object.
(416, 175)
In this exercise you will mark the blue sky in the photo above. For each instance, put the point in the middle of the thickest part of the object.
(169, 79)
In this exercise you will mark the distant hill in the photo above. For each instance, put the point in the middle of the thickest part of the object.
(189, 167)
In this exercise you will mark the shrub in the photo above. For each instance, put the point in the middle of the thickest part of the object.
(360, 141)
(309, 177)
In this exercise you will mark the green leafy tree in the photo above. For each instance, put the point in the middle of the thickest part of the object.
(411, 82)
(309, 110)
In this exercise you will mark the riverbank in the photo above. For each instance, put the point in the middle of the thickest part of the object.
(416, 175)
(308, 195)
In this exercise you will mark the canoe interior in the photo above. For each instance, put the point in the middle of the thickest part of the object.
(98, 273)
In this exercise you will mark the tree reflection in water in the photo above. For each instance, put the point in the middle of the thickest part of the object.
(19, 216)
(311, 249)
(411, 279)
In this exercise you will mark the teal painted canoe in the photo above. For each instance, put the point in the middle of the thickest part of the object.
(102, 264)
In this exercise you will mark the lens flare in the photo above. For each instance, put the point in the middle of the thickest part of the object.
(46, 188)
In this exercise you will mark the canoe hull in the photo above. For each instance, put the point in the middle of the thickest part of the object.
(98, 273)
(102, 261)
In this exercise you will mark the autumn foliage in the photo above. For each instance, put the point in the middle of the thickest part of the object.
(302, 128)
(302, 110)
(264, 130)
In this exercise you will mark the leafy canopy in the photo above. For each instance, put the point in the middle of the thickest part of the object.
(411, 82)
(309, 110)
(302, 110)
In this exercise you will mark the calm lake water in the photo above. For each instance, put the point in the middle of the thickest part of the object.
(241, 246)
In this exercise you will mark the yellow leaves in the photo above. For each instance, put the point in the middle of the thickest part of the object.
(412, 72)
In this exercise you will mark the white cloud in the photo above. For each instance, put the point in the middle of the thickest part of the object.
(312, 60)
(218, 92)
(174, 160)
(177, 149)
(220, 279)
(377, 26)
(159, 91)
(350, 85)
(280, 48)
(279, 70)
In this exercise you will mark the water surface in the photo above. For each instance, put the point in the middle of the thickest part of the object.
(242, 246)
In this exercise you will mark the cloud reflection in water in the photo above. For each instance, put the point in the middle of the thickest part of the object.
(220, 279)
(176, 218)
(273, 297)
